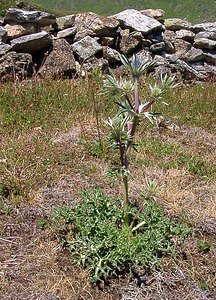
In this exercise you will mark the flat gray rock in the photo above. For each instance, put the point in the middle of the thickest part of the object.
(186, 35)
(177, 24)
(15, 15)
(207, 35)
(194, 55)
(66, 33)
(210, 26)
(204, 43)
(32, 43)
(135, 20)
(64, 22)
(86, 48)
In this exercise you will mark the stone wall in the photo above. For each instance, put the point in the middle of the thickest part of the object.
(35, 42)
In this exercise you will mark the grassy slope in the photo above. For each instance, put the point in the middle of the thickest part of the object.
(4, 4)
(197, 11)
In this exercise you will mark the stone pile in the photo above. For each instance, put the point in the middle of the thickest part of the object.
(38, 42)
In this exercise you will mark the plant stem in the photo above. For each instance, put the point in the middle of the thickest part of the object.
(136, 96)
(126, 198)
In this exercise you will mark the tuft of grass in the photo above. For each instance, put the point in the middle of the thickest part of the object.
(99, 241)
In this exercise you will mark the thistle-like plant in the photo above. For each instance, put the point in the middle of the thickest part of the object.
(131, 111)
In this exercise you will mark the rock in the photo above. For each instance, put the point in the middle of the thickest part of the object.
(186, 35)
(177, 24)
(163, 46)
(159, 60)
(1, 21)
(3, 34)
(169, 36)
(111, 55)
(163, 70)
(60, 61)
(66, 33)
(185, 69)
(206, 34)
(15, 31)
(204, 27)
(32, 43)
(157, 14)
(128, 43)
(209, 57)
(96, 64)
(210, 69)
(144, 55)
(15, 65)
(204, 43)
(64, 22)
(94, 25)
(181, 48)
(155, 37)
(134, 20)
(17, 16)
(107, 41)
(194, 55)
(86, 48)
(4, 48)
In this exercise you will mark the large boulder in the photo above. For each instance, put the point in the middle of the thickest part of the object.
(4, 48)
(3, 34)
(32, 43)
(136, 21)
(15, 65)
(15, 31)
(205, 27)
(86, 48)
(17, 16)
(177, 24)
(60, 61)
(91, 24)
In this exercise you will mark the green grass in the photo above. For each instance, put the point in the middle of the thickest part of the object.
(201, 10)
(5, 4)
(171, 156)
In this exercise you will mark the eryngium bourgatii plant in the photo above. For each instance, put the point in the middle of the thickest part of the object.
(131, 111)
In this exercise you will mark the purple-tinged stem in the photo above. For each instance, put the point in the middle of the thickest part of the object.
(136, 97)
